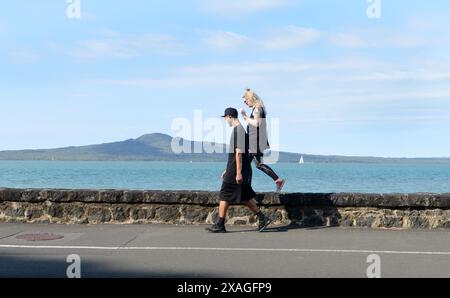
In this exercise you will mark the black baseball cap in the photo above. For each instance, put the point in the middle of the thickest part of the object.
(231, 112)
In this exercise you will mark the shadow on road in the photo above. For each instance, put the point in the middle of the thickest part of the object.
(304, 211)
(277, 229)
(55, 266)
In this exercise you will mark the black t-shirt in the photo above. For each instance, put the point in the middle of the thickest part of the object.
(239, 140)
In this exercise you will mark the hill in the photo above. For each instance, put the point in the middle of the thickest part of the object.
(157, 147)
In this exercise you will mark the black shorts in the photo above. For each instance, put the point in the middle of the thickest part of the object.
(236, 193)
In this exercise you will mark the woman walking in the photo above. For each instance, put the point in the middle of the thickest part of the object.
(257, 132)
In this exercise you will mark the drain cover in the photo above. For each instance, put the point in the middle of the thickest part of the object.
(39, 237)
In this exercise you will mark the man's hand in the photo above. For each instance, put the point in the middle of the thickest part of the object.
(239, 179)
(243, 113)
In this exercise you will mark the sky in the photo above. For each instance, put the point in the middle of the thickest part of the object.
(335, 80)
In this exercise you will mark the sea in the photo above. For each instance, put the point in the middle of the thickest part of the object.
(307, 177)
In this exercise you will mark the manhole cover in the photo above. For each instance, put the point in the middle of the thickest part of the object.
(39, 237)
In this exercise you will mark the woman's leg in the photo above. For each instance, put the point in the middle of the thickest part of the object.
(265, 168)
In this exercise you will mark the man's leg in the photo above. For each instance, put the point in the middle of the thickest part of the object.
(252, 206)
(219, 226)
(263, 221)
(223, 208)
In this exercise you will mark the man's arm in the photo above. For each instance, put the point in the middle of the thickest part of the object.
(239, 178)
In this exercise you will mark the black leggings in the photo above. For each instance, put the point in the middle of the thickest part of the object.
(263, 167)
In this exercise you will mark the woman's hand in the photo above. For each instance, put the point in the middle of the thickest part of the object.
(243, 113)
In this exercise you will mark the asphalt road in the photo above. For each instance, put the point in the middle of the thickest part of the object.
(189, 251)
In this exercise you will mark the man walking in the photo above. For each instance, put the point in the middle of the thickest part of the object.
(237, 178)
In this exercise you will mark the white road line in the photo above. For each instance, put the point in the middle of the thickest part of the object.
(144, 248)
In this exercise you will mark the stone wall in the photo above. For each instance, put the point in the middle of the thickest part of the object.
(428, 211)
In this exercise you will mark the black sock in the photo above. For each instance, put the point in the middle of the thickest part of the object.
(221, 222)
(260, 215)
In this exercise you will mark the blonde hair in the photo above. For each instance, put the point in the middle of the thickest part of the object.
(251, 95)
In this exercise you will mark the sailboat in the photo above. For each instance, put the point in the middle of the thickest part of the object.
(301, 161)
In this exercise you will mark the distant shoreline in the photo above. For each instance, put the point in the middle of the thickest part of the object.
(403, 162)
(157, 147)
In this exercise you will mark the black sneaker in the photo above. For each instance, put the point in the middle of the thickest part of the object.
(215, 228)
(263, 223)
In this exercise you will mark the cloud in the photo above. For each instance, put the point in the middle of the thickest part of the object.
(114, 45)
(295, 37)
(233, 8)
(291, 37)
(348, 74)
(401, 75)
(286, 38)
(90, 16)
(347, 40)
(370, 39)
(224, 40)
(23, 55)
(343, 91)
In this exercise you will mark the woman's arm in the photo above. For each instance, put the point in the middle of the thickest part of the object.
(256, 121)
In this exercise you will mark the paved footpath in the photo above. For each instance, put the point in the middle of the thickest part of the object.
(189, 251)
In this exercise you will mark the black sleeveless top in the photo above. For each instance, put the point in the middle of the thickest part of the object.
(258, 138)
